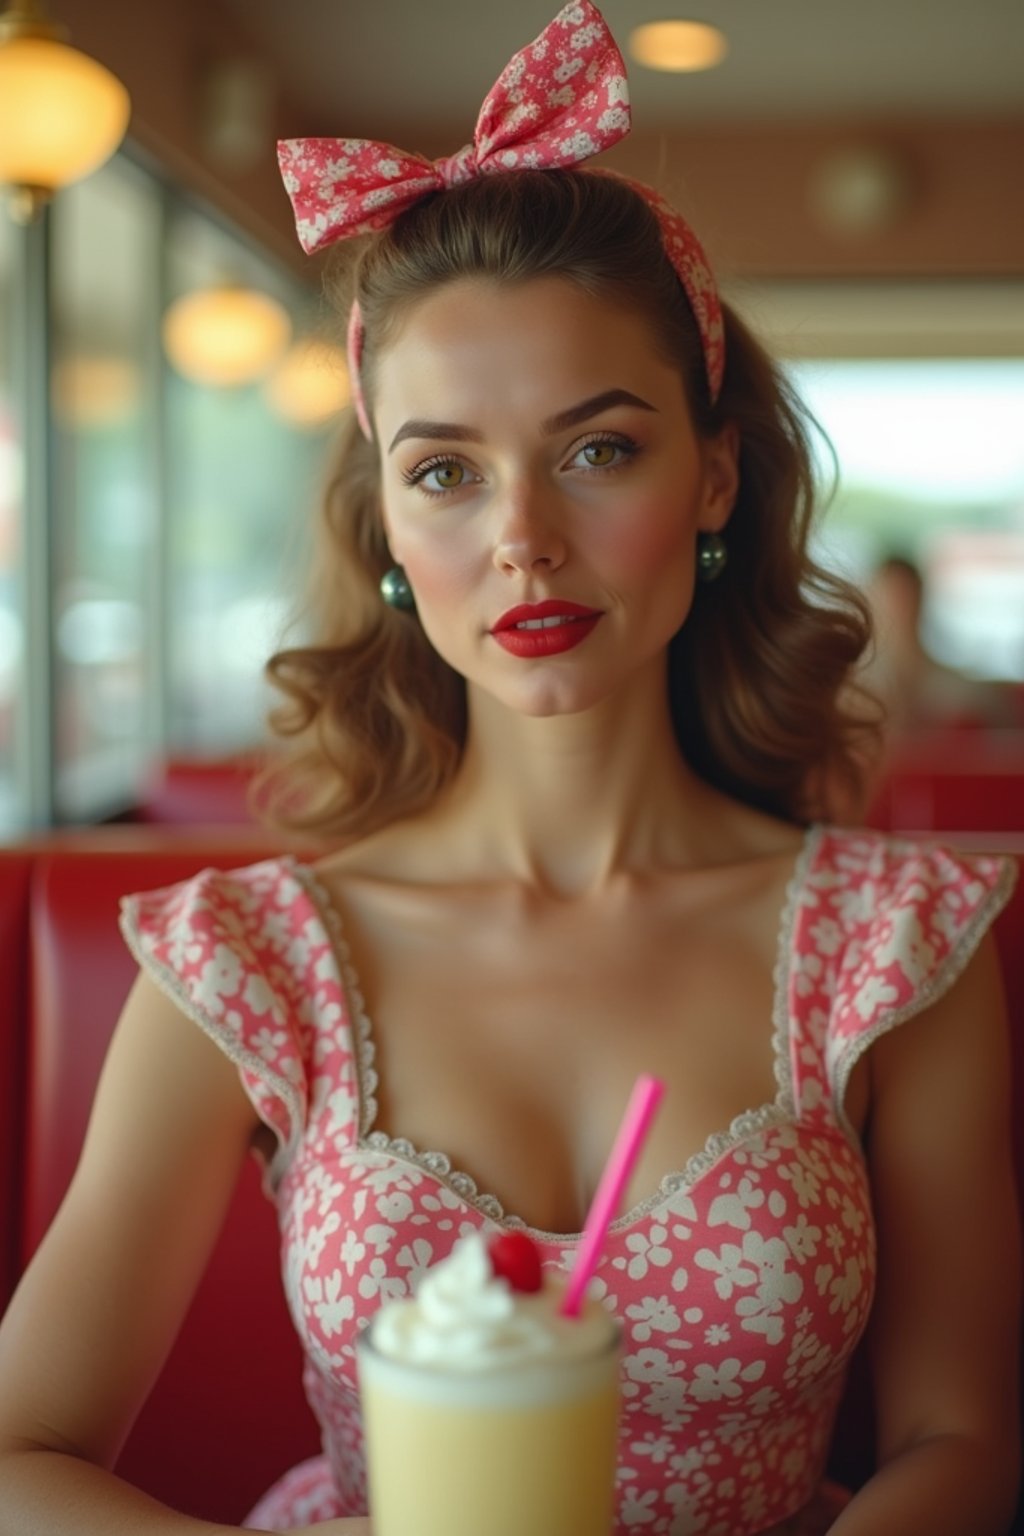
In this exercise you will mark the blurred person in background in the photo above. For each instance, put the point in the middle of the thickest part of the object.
(920, 693)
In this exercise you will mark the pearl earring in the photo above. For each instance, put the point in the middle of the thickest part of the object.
(712, 556)
(396, 591)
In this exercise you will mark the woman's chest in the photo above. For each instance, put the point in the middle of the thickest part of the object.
(739, 1287)
(508, 1037)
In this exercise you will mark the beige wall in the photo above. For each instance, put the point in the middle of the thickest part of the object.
(749, 193)
(746, 189)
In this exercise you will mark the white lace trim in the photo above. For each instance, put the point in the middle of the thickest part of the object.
(171, 984)
(362, 1032)
(365, 1053)
(949, 971)
(749, 1123)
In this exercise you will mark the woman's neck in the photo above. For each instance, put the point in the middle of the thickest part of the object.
(566, 803)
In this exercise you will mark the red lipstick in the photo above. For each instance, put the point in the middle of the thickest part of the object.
(544, 629)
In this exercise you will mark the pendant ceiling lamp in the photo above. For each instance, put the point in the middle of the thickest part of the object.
(61, 113)
(679, 46)
(310, 384)
(225, 336)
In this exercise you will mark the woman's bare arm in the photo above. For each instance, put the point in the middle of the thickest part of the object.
(95, 1315)
(946, 1325)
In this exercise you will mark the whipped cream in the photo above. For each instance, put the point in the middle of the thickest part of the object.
(466, 1319)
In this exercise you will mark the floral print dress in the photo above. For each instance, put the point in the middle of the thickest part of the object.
(742, 1284)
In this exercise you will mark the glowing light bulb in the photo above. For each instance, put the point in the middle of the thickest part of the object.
(310, 384)
(678, 45)
(225, 336)
(62, 114)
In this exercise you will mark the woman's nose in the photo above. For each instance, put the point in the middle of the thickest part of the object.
(528, 533)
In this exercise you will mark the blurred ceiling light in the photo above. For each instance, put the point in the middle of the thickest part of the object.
(310, 385)
(860, 190)
(90, 392)
(678, 45)
(226, 335)
(61, 113)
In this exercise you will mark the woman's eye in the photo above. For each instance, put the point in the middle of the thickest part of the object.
(437, 476)
(447, 476)
(605, 453)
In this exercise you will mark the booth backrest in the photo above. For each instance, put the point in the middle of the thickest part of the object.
(198, 792)
(966, 781)
(217, 1428)
(15, 871)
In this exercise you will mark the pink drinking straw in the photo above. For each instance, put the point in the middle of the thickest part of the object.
(643, 1101)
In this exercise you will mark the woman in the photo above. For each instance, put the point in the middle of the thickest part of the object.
(576, 791)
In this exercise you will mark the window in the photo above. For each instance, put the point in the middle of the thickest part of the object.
(144, 586)
(920, 388)
(931, 461)
(242, 486)
(103, 402)
(12, 637)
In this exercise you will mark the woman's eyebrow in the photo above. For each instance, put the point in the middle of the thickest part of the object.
(577, 414)
(447, 430)
(451, 431)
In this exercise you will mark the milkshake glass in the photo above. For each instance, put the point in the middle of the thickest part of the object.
(486, 1412)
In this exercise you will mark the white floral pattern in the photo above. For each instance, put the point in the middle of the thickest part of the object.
(551, 106)
(558, 102)
(742, 1285)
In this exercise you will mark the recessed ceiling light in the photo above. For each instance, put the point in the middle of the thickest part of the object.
(678, 45)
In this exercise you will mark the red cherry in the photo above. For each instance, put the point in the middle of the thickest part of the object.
(516, 1258)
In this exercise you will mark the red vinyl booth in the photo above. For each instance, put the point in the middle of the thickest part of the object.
(198, 792)
(15, 871)
(216, 1430)
(965, 781)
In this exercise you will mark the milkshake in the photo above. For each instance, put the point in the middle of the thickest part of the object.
(487, 1412)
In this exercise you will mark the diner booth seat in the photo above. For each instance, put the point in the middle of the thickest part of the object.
(222, 1421)
(14, 883)
(186, 791)
(228, 1414)
(961, 781)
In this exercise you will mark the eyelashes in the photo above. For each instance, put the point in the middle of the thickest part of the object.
(441, 464)
(622, 446)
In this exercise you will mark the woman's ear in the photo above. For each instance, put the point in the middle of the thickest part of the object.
(721, 478)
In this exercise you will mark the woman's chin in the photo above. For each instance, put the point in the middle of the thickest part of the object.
(545, 699)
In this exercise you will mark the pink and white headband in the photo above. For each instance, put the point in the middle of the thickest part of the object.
(559, 101)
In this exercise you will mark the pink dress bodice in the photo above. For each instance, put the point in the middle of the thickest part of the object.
(743, 1283)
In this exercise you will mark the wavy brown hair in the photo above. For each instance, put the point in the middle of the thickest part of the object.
(374, 721)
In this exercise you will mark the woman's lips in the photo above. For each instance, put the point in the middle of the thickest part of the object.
(544, 629)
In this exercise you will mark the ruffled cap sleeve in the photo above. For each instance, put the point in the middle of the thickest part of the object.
(241, 954)
(914, 915)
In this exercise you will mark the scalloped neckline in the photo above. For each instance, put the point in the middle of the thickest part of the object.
(777, 1111)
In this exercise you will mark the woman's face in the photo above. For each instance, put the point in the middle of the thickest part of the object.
(543, 486)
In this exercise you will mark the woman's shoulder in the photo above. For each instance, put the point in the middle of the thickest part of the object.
(408, 869)
(894, 922)
(884, 865)
(408, 851)
(246, 889)
(245, 920)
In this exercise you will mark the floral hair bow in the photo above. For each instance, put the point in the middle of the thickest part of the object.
(559, 101)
